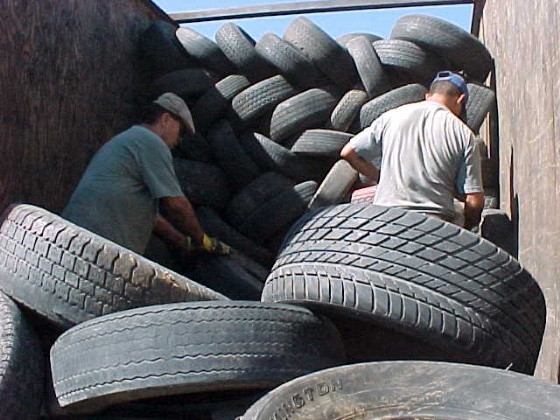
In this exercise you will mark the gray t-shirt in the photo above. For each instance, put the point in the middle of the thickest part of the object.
(425, 154)
(117, 196)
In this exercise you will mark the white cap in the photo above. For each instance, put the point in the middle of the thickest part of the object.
(176, 106)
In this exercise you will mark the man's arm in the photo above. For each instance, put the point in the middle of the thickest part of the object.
(474, 203)
(359, 163)
(180, 213)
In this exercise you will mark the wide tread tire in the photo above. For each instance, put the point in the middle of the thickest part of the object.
(481, 100)
(336, 185)
(464, 51)
(290, 62)
(260, 98)
(68, 274)
(393, 99)
(417, 275)
(214, 103)
(239, 48)
(323, 51)
(410, 390)
(321, 143)
(347, 110)
(308, 109)
(189, 348)
(368, 64)
(21, 365)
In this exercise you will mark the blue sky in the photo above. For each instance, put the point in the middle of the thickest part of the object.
(378, 22)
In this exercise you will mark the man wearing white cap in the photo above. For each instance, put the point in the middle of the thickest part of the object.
(425, 154)
(131, 180)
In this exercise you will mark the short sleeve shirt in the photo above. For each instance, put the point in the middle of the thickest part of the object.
(425, 154)
(118, 194)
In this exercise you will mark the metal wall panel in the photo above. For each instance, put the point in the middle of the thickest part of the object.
(524, 38)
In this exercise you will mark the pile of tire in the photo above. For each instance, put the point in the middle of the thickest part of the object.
(273, 115)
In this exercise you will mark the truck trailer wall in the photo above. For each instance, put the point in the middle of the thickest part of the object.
(68, 73)
(524, 38)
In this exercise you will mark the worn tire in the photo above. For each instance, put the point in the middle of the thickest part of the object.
(419, 390)
(415, 275)
(194, 147)
(347, 110)
(448, 40)
(321, 143)
(187, 83)
(393, 99)
(68, 274)
(481, 100)
(323, 51)
(335, 186)
(344, 39)
(189, 348)
(368, 64)
(21, 365)
(498, 228)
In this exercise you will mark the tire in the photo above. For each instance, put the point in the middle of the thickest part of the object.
(364, 194)
(491, 198)
(347, 110)
(418, 276)
(205, 50)
(321, 143)
(203, 184)
(194, 147)
(187, 83)
(464, 51)
(237, 165)
(213, 104)
(68, 275)
(368, 64)
(406, 57)
(160, 46)
(419, 390)
(189, 348)
(497, 227)
(215, 226)
(335, 186)
(309, 109)
(393, 99)
(344, 39)
(271, 156)
(481, 100)
(239, 48)
(290, 62)
(21, 365)
(323, 51)
(260, 98)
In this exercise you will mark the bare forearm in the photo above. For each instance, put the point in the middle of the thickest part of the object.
(474, 203)
(359, 163)
(180, 213)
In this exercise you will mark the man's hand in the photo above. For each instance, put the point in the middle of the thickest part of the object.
(214, 246)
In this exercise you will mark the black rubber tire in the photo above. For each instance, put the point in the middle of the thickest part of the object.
(160, 46)
(260, 98)
(239, 48)
(290, 62)
(393, 99)
(309, 109)
(68, 275)
(407, 57)
(21, 365)
(335, 186)
(323, 51)
(206, 51)
(236, 163)
(213, 104)
(464, 51)
(187, 83)
(215, 226)
(414, 275)
(344, 39)
(321, 143)
(202, 183)
(410, 390)
(368, 64)
(347, 110)
(481, 100)
(189, 348)
(497, 227)
(271, 156)
(194, 147)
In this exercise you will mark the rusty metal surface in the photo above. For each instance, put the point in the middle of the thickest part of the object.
(281, 9)
(523, 37)
(68, 76)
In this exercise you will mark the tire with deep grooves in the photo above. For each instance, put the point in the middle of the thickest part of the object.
(416, 275)
(321, 143)
(68, 274)
(21, 365)
(189, 348)
(481, 100)
(407, 390)
(347, 109)
(370, 69)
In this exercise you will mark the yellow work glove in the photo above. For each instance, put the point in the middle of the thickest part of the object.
(214, 246)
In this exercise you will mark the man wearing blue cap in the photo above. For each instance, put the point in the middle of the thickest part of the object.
(423, 154)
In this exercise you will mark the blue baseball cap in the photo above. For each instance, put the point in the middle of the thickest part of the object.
(454, 78)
